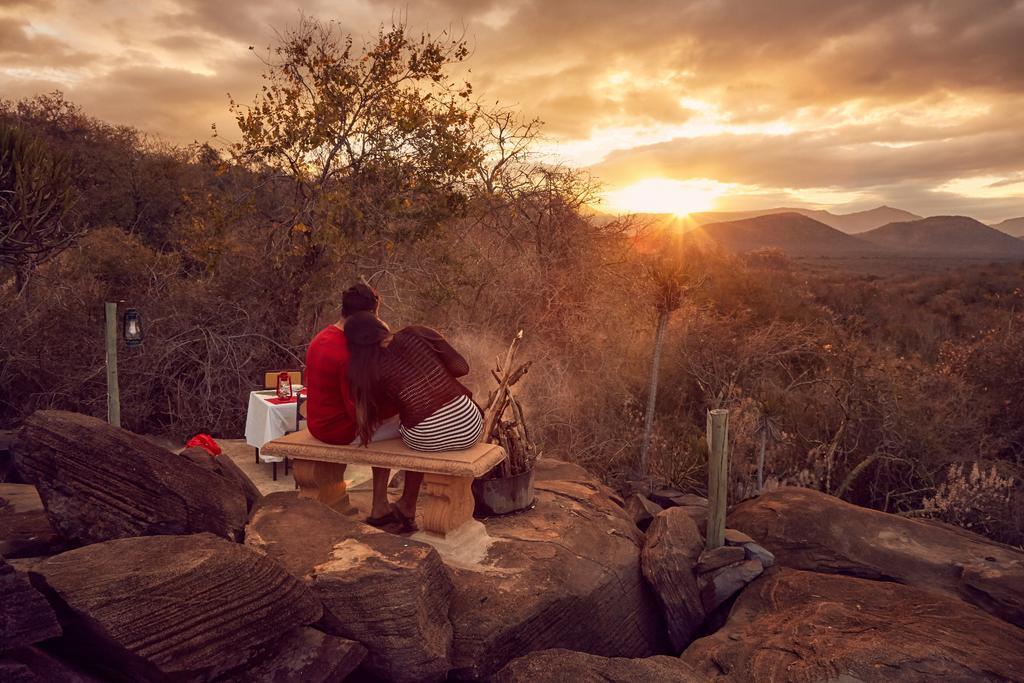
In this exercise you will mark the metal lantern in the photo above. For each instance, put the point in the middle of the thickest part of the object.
(133, 332)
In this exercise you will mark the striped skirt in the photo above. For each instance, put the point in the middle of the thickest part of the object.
(454, 427)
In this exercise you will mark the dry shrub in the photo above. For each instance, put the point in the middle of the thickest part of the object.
(978, 499)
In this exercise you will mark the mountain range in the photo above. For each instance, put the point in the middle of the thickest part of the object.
(851, 223)
(1011, 226)
(794, 233)
(800, 235)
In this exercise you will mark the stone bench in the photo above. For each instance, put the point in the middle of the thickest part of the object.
(319, 470)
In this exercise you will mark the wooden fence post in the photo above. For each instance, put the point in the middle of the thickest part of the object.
(718, 475)
(113, 392)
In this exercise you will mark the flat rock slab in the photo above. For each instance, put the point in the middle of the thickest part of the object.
(564, 574)
(667, 498)
(186, 607)
(718, 586)
(809, 530)
(710, 560)
(388, 592)
(100, 483)
(25, 616)
(567, 666)
(20, 498)
(25, 530)
(808, 626)
(305, 655)
(670, 555)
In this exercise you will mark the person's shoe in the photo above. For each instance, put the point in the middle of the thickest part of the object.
(408, 523)
(385, 520)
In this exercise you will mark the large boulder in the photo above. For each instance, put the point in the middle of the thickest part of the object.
(670, 555)
(563, 666)
(25, 530)
(25, 616)
(388, 592)
(227, 468)
(808, 626)
(306, 655)
(564, 574)
(183, 607)
(809, 530)
(100, 483)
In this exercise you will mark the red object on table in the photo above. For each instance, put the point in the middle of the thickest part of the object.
(284, 385)
(204, 441)
(281, 401)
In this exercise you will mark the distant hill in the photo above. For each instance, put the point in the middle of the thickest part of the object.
(852, 223)
(793, 233)
(862, 221)
(946, 236)
(1012, 226)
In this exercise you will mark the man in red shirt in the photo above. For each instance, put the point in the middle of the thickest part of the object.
(330, 412)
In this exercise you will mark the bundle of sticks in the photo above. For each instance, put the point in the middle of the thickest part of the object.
(504, 423)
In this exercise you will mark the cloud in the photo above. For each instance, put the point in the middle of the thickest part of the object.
(21, 47)
(817, 159)
(852, 96)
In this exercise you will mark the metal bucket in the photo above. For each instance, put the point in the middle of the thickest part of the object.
(503, 495)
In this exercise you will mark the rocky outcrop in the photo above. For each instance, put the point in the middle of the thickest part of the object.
(563, 666)
(7, 437)
(100, 483)
(670, 554)
(388, 592)
(184, 607)
(809, 530)
(25, 530)
(305, 655)
(33, 665)
(25, 616)
(808, 626)
(565, 574)
(642, 510)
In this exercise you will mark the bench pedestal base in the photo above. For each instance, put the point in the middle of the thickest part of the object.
(447, 503)
(323, 482)
(465, 546)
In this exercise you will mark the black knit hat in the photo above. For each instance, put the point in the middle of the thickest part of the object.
(359, 297)
(365, 329)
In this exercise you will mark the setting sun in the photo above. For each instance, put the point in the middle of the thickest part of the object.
(661, 195)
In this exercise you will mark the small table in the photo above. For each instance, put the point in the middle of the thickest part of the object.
(266, 421)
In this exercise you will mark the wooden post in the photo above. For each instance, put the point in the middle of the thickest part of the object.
(113, 392)
(718, 475)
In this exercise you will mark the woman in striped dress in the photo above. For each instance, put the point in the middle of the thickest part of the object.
(415, 370)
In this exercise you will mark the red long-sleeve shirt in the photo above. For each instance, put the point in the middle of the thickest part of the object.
(330, 412)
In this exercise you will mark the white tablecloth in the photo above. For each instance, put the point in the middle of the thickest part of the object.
(265, 421)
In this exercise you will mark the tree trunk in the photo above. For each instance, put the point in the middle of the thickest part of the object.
(760, 461)
(652, 391)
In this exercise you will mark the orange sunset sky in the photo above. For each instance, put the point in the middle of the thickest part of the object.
(677, 105)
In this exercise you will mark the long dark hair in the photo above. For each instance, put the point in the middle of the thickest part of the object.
(364, 332)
